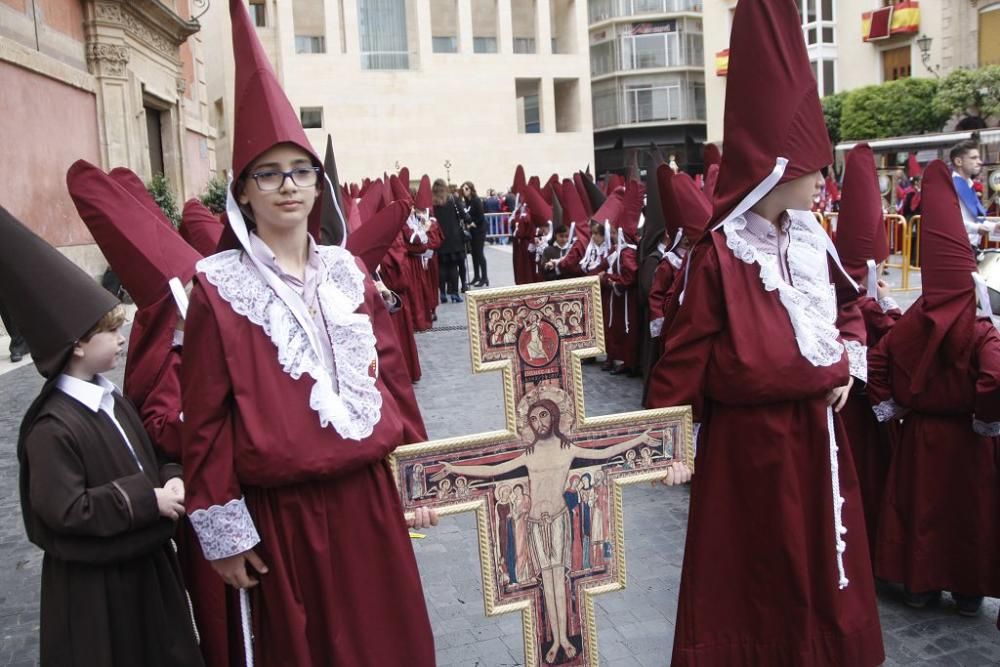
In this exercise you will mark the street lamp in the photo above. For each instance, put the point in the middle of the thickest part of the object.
(447, 171)
(924, 44)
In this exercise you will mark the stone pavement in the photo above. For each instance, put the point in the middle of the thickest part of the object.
(635, 625)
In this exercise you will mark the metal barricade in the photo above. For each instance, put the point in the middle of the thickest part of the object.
(498, 227)
(897, 231)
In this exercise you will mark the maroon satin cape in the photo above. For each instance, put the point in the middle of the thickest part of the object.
(759, 585)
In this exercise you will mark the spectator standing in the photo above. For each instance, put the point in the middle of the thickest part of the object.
(477, 229)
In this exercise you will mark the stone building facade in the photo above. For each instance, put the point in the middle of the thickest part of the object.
(115, 82)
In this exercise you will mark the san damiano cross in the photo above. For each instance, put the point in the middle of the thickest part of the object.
(546, 490)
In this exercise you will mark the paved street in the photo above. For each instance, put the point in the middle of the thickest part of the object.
(636, 625)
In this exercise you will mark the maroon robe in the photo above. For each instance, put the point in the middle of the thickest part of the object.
(622, 323)
(760, 583)
(525, 266)
(342, 573)
(432, 269)
(394, 276)
(415, 273)
(940, 523)
(870, 440)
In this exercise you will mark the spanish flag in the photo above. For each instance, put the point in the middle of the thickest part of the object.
(899, 19)
(722, 62)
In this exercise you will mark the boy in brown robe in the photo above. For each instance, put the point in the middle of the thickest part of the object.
(94, 496)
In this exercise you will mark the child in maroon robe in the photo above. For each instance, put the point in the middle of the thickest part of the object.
(294, 391)
(776, 567)
(621, 287)
(939, 369)
(863, 246)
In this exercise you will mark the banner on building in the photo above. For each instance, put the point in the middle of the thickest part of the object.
(903, 18)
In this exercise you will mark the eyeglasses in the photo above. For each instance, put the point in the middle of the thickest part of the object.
(268, 181)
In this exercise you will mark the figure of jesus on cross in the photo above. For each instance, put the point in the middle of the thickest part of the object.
(548, 459)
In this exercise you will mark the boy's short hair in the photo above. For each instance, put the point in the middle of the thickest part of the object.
(561, 229)
(961, 149)
(111, 320)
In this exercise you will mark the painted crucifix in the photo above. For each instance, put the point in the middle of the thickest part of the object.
(547, 488)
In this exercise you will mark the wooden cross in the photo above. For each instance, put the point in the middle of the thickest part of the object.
(546, 490)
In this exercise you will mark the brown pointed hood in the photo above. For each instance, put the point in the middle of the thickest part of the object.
(52, 302)
(333, 216)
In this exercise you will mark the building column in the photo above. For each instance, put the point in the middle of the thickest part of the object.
(109, 65)
(505, 28)
(425, 42)
(543, 27)
(465, 34)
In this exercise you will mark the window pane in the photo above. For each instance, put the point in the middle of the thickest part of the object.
(532, 120)
(484, 44)
(382, 34)
(829, 79)
(310, 44)
(524, 45)
(811, 38)
(444, 44)
(828, 36)
(312, 117)
(258, 12)
(827, 9)
(602, 58)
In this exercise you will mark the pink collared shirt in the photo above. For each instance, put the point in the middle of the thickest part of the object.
(765, 237)
(306, 287)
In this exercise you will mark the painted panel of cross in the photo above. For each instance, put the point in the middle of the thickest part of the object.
(546, 490)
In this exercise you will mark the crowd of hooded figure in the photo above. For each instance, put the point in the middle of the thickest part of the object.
(270, 366)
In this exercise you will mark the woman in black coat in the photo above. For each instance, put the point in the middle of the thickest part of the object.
(478, 229)
(451, 254)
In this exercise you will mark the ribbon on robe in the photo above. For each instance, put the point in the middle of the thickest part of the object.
(614, 267)
(983, 292)
(872, 278)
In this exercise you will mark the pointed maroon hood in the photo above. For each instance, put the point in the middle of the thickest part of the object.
(860, 231)
(201, 228)
(772, 112)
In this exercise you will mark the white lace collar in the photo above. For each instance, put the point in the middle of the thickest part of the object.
(810, 300)
(350, 402)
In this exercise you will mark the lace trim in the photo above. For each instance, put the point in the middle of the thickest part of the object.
(354, 411)
(839, 529)
(656, 327)
(857, 355)
(887, 304)
(988, 429)
(887, 410)
(225, 530)
(811, 303)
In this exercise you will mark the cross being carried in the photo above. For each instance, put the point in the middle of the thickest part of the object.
(547, 489)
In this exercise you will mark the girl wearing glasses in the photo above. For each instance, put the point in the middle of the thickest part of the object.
(290, 378)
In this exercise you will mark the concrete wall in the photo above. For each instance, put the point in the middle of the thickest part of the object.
(58, 127)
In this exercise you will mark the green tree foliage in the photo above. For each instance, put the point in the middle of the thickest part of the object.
(966, 89)
(163, 194)
(891, 109)
(215, 195)
(833, 106)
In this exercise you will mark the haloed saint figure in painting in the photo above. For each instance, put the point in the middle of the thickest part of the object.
(548, 458)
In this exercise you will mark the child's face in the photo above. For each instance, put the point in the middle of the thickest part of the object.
(100, 353)
(563, 238)
(288, 204)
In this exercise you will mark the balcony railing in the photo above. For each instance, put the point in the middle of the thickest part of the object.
(625, 105)
(602, 10)
(638, 52)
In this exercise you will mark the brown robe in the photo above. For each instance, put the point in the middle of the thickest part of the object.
(112, 592)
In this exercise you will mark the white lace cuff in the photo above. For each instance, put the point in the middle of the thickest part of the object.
(887, 304)
(225, 530)
(656, 327)
(857, 355)
(987, 429)
(887, 410)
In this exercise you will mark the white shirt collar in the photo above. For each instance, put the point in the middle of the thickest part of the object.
(90, 394)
